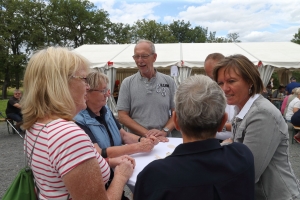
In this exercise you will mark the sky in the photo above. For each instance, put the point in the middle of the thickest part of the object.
(253, 20)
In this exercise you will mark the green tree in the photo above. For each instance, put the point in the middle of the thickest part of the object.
(41, 25)
(180, 30)
(151, 30)
(13, 33)
(4, 66)
(197, 35)
(119, 33)
(233, 37)
(75, 23)
(296, 38)
(211, 37)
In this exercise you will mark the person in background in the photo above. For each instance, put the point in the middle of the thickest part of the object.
(209, 64)
(116, 90)
(260, 126)
(267, 92)
(197, 168)
(65, 163)
(100, 124)
(286, 101)
(13, 109)
(295, 120)
(293, 104)
(279, 93)
(146, 98)
(293, 84)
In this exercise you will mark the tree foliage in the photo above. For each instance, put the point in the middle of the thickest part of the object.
(30, 25)
(296, 38)
(13, 34)
(233, 37)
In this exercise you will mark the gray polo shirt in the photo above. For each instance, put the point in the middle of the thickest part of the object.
(148, 102)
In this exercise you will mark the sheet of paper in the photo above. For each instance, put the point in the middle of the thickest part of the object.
(174, 70)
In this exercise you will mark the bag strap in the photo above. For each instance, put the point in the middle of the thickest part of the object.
(30, 158)
(31, 153)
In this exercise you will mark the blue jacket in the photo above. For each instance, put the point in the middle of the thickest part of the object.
(98, 129)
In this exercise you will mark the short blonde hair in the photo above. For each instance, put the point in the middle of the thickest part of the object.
(297, 91)
(46, 84)
(96, 79)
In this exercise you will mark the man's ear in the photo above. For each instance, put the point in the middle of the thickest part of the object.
(175, 120)
(154, 57)
(224, 120)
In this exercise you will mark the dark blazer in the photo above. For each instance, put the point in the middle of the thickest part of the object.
(199, 170)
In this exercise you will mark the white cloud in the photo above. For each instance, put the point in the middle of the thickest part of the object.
(254, 20)
(124, 12)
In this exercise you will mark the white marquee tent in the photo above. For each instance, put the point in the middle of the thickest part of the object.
(280, 56)
(283, 57)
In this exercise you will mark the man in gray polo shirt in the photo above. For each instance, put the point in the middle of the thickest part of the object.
(146, 99)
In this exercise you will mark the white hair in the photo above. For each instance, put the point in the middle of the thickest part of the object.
(199, 105)
(149, 42)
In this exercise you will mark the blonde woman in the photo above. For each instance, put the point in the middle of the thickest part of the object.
(64, 161)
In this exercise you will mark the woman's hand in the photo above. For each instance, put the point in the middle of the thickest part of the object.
(160, 135)
(156, 132)
(154, 139)
(113, 162)
(227, 141)
(145, 145)
(162, 139)
(124, 170)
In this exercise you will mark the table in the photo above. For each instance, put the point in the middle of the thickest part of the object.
(277, 102)
(277, 99)
(158, 152)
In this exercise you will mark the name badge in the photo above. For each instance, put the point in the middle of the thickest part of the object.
(164, 85)
(161, 88)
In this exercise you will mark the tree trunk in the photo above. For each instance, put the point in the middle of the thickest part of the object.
(4, 90)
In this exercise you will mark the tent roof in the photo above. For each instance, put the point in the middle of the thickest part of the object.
(277, 54)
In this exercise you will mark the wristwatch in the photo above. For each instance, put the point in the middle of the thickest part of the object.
(167, 130)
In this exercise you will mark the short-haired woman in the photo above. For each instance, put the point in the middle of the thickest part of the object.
(260, 126)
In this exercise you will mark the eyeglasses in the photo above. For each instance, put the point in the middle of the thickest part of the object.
(82, 78)
(104, 91)
(143, 57)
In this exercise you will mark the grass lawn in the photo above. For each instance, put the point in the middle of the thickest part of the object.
(3, 104)
(10, 91)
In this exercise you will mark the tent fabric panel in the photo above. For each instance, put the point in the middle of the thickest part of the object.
(197, 52)
(266, 73)
(277, 54)
(99, 55)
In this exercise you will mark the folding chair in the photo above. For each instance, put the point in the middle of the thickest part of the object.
(11, 126)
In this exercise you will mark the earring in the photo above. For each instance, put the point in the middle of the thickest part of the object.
(250, 91)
